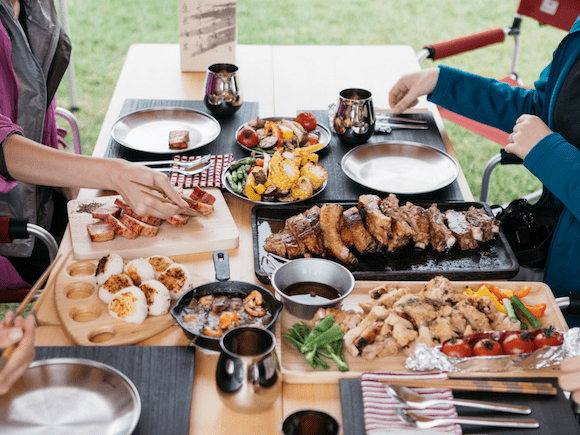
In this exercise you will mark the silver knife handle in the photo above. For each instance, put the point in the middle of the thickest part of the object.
(495, 406)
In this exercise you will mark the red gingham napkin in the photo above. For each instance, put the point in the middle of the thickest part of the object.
(378, 405)
(212, 177)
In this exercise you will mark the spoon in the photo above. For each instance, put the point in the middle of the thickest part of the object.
(414, 400)
(428, 422)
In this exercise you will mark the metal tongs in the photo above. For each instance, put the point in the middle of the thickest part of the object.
(386, 123)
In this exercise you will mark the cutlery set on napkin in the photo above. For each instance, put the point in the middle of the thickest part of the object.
(391, 407)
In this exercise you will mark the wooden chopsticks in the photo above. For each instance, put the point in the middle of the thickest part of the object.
(477, 385)
(189, 211)
(20, 310)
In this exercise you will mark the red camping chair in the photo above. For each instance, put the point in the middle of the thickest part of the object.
(560, 14)
(12, 229)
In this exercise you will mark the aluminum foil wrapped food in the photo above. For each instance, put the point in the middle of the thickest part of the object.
(426, 358)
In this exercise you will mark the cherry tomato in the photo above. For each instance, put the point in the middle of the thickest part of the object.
(456, 348)
(307, 120)
(548, 337)
(312, 139)
(487, 347)
(248, 137)
(518, 343)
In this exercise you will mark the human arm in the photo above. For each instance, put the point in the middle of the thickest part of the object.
(406, 92)
(22, 334)
(34, 163)
(569, 379)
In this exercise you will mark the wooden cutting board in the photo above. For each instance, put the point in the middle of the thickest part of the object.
(201, 234)
(296, 370)
(86, 318)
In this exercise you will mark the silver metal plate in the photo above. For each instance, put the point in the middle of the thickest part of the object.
(148, 129)
(320, 129)
(70, 396)
(400, 167)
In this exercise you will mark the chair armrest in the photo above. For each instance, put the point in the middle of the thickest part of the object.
(72, 120)
(441, 50)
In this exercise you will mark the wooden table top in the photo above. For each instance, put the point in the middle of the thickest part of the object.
(281, 87)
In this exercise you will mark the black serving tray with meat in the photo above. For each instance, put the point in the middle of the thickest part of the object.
(493, 259)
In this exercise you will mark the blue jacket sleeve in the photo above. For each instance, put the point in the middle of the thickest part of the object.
(485, 100)
(556, 163)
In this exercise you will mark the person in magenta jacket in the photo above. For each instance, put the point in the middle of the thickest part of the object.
(34, 54)
(545, 133)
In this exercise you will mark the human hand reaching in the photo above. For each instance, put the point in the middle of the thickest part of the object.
(569, 380)
(22, 334)
(406, 92)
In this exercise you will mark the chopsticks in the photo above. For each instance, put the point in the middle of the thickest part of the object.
(20, 310)
(477, 385)
(190, 211)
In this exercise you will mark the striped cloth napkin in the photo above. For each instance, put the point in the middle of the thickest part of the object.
(212, 177)
(378, 406)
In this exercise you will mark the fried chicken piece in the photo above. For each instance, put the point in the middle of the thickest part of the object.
(361, 238)
(330, 217)
(418, 218)
(300, 227)
(441, 236)
(462, 230)
(476, 319)
(401, 231)
(375, 221)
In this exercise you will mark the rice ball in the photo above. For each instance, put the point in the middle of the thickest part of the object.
(139, 270)
(113, 285)
(129, 305)
(177, 279)
(160, 263)
(157, 297)
(111, 264)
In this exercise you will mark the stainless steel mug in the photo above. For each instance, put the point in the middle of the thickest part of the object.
(223, 93)
(354, 116)
(247, 375)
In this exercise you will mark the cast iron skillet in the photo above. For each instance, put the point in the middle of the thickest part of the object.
(222, 286)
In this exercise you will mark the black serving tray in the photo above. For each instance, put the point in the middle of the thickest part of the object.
(490, 260)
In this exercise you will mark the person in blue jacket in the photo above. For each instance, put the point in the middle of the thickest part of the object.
(545, 133)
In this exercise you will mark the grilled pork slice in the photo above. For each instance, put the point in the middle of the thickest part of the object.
(375, 221)
(401, 231)
(141, 228)
(362, 239)
(178, 220)
(105, 209)
(418, 219)
(120, 228)
(300, 227)
(201, 195)
(128, 210)
(284, 244)
(441, 236)
(330, 222)
(178, 139)
(100, 231)
(462, 230)
(487, 226)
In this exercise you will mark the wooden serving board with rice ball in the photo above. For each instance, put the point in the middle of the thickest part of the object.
(86, 318)
(216, 230)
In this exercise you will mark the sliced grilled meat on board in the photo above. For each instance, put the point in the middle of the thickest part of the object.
(375, 223)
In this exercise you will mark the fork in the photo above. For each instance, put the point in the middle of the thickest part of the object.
(185, 171)
(429, 422)
(189, 164)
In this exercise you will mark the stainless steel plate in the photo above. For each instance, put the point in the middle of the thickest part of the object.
(320, 129)
(148, 129)
(70, 396)
(400, 167)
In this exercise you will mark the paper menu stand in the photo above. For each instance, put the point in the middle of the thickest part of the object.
(207, 33)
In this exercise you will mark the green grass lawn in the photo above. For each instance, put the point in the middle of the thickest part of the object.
(102, 32)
